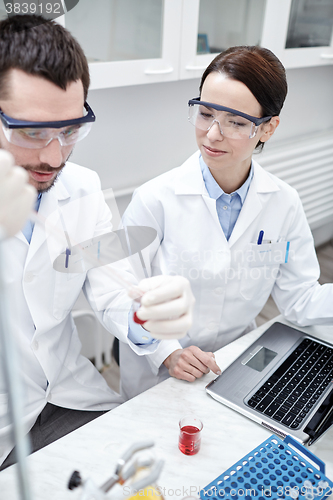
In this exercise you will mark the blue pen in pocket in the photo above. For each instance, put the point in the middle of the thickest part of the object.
(260, 237)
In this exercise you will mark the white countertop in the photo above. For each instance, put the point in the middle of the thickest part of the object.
(94, 449)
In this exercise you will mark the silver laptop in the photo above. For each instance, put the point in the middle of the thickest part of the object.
(283, 381)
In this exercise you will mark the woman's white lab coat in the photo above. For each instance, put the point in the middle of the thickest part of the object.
(229, 287)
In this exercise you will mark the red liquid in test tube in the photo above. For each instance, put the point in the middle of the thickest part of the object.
(138, 320)
(136, 307)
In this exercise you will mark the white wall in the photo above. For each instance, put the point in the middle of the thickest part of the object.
(140, 132)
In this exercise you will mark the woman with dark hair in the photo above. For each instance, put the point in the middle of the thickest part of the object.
(237, 232)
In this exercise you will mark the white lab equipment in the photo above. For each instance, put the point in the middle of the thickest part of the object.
(9, 365)
(137, 470)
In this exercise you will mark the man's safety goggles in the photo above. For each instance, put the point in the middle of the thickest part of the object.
(232, 123)
(37, 135)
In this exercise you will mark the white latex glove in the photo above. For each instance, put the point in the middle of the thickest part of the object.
(166, 306)
(16, 196)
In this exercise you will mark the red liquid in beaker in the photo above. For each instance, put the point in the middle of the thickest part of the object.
(189, 440)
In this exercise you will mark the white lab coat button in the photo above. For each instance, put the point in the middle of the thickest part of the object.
(35, 345)
(219, 291)
(211, 326)
(28, 277)
(225, 207)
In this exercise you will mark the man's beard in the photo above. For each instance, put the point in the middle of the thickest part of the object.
(45, 190)
(45, 168)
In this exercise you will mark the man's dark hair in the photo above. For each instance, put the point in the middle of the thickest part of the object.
(42, 48)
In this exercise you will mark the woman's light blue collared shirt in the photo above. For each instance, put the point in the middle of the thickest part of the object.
(228, 206)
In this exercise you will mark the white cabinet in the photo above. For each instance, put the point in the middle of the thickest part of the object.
(211, 26)
(130, 42)
(299, 32)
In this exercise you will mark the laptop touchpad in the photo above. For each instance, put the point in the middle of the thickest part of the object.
(259, 358)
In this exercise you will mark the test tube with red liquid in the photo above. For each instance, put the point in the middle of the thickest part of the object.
(136, 306)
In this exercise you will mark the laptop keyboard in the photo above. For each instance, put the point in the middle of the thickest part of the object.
(294, 388)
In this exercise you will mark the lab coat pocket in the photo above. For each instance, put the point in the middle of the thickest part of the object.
(269, 254)
(66, 291)
(257, 281)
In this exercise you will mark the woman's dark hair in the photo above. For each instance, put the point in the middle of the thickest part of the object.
(42, 48)
(260, 70)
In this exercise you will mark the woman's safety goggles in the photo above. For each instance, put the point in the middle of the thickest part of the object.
(37, 135)
(232, 124)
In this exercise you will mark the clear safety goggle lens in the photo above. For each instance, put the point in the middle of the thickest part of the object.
(231, 125)
(38, 138)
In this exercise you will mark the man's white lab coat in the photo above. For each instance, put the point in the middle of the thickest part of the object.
(40, 300)
(229, 290)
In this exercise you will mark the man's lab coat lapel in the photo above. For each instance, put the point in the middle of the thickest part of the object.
(49, 205)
